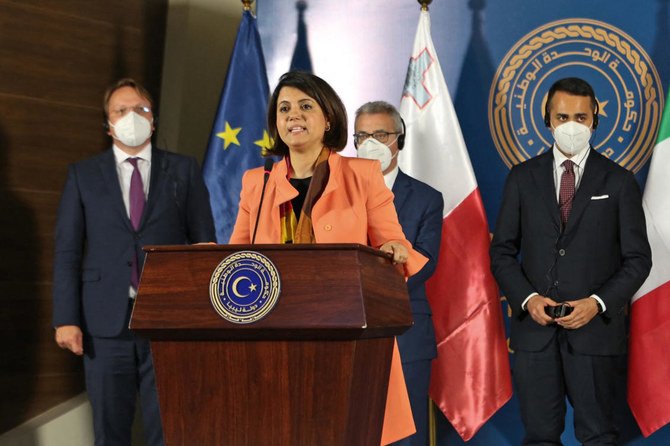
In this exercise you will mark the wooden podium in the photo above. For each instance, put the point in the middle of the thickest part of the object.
(314, 371)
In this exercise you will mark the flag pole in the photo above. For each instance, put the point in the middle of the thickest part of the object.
(432, 420)
(432, 423)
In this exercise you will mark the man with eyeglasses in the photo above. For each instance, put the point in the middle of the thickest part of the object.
(112, 205)
(380, 134)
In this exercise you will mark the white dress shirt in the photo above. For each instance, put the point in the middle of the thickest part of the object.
(578, 168)
(125, 171)
(390, 177)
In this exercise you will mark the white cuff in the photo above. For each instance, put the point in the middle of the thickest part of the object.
(523, 304)
(600, 301)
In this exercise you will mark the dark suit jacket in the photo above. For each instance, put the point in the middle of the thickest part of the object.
(95, 241)
(419, 209)
(603, 250)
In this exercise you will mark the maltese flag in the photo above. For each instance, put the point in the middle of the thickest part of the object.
(470, 377)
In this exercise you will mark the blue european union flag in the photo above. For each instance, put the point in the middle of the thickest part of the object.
(239, 131)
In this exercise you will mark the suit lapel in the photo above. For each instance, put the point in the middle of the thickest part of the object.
(594, 174)
(282, 191)
(277, 192)
(543, 176)
(334, 181)
(111, 179)
(159, 169)
(401, 190)
(334, 161)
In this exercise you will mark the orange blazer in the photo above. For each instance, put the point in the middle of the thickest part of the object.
(355, 207)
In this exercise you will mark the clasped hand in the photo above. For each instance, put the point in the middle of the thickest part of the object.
(583, 311)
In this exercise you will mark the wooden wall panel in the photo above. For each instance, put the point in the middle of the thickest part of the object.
(26, 236)
(72, 58)
(130, 13)
(56, 59)
(44, 137)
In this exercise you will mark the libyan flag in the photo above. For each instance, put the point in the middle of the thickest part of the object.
(648, 363)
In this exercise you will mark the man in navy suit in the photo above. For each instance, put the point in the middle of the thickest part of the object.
(570, 236)
(113, 204)
(380, 135)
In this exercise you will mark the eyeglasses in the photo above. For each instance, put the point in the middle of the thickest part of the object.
(382, 137)
(139, 109)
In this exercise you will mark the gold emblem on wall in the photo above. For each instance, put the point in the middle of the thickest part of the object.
(622, 74)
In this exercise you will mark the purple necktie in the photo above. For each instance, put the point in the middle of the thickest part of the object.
(567, 191)
(137, 201)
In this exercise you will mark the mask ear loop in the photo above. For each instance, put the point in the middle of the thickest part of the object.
(594, 130)
(396, 138)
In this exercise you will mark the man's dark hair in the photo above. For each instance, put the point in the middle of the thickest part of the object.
(574, 86)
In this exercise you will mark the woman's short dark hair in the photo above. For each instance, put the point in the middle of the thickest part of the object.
(331, 104)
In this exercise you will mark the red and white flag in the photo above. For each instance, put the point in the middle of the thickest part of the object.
(471, 376)
(649, 352)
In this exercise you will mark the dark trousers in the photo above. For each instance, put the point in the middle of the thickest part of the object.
(417, 380)
(543, 380)
(117, 369)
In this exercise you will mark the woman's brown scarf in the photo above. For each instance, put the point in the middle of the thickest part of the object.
(300, 230)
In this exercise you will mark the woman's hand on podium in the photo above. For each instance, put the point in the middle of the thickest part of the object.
(397, 249)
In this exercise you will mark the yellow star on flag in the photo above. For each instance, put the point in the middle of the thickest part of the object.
(229, 136)
(266, 142)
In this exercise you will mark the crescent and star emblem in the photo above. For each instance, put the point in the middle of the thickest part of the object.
(252, 287)
(244, 287)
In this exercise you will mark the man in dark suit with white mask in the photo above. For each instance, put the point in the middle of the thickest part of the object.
(379, 134)
(569, 251)
(112, 205)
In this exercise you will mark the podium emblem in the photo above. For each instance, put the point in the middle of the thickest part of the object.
(244, 287)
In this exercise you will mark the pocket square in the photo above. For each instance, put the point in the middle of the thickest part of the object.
(599, 197)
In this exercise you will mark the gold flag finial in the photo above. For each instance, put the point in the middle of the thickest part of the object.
(247, 4)
(424, 4)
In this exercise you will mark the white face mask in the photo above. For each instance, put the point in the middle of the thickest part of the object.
(572, 137)
(132, 130)
(375, 150)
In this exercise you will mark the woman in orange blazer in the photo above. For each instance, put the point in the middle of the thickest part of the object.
(313, 195)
